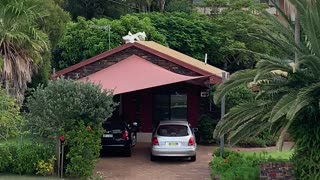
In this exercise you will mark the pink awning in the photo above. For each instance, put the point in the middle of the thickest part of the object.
(135, 73)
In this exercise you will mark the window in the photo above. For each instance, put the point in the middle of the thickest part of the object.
(169, 107)
(172, 130)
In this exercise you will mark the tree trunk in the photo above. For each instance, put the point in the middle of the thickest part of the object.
(162, 4)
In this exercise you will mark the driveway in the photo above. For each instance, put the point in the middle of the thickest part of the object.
(139, 166)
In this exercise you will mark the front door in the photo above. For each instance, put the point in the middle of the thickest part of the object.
(169, 107)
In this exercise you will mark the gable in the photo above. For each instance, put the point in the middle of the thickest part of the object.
(153, 52)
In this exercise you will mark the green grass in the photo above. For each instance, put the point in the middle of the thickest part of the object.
(285, 155)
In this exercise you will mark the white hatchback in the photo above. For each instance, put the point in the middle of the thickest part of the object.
(174, 139)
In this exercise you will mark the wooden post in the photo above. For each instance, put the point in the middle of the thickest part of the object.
(59, 160)
(62, 154)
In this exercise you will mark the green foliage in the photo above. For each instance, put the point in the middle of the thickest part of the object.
(5, 158)
(11, 122)
(82, 40)
(289, 90)
(192, 34)
(22, 43)
(234, 167)
(45, 168)
(265, 139)
(226, 153)
(84, 148)
(96, 8)
(179, 6)
(226, 38)
(236, 44)
(55, 108)
(306, 157)
(239, 166)
(22, 158)
(206, 128)
(238, 95)
(55, 23)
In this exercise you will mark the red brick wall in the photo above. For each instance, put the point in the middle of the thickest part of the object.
(112, 59)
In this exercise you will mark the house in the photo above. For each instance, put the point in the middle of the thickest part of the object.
(150, 81)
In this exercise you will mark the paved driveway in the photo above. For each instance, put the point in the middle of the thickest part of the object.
(139, 166)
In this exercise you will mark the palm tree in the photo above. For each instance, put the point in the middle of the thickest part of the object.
(21, 44)
(288, 97)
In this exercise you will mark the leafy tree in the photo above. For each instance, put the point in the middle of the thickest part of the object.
(96, 8)
(54, 26)
(55, 23)
(226, 37)
(236, 42)
(75, 110)
(82, 40)
(57, 107)
(289, 91)
(21, 44)
(10, 120)
(179, 6)
(191, 34)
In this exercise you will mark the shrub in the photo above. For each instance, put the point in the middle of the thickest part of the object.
(45, 168)
(237, 96)
(238, 166)
(10, 120)
(84, 147)
(26, 156)
(265, 139)
(206, 128)
(67, 107)
(55, 107)
(22, 158)
(234, 167)
(306, 156)
(226, 153)
(5, 158)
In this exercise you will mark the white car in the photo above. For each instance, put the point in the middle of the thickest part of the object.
(174, 139)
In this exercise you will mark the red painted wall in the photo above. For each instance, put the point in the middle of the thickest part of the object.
(146, 114)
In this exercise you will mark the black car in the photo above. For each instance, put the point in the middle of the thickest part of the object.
(119, 135)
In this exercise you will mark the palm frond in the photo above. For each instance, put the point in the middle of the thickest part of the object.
(312, 63)
(306, 97)
(241, 114)
(282, 107)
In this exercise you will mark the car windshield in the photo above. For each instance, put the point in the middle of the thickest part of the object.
(172, 130)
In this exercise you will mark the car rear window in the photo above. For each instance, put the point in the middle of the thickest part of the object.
(114, 124)
(172, 130)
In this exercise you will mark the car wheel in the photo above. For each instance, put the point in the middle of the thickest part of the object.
(153, 158)
(128, 151)
(193, 158)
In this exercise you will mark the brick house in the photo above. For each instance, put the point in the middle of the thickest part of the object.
(150, 81)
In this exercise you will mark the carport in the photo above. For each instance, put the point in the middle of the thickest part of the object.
(152, 82)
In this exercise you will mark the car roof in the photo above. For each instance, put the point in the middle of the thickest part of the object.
(174, 122)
